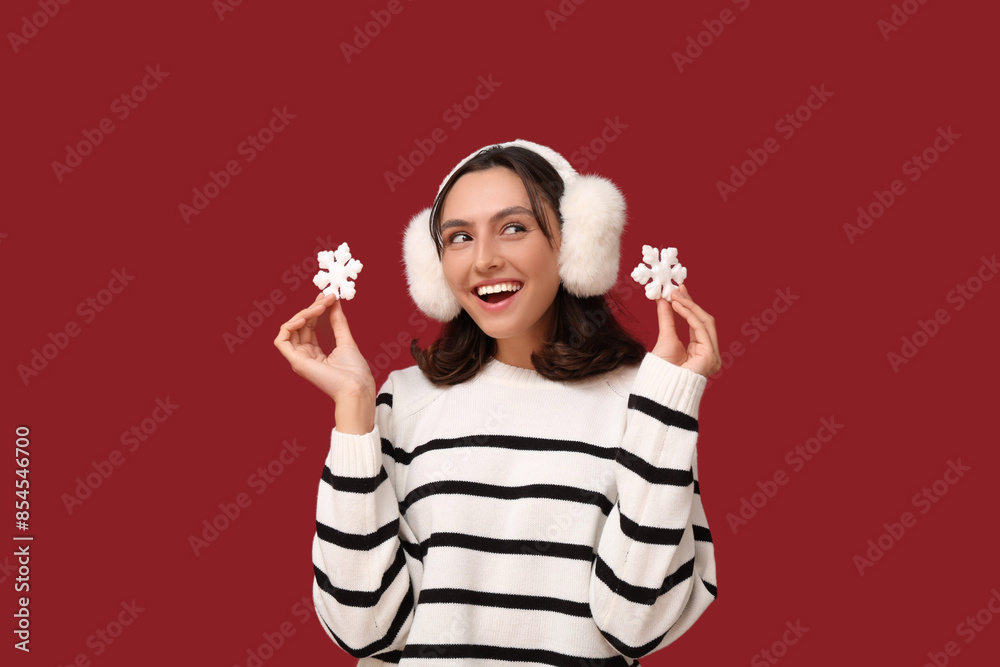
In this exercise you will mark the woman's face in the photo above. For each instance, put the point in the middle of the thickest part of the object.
(491, 236)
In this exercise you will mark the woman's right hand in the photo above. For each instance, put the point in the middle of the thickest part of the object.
(343, 375)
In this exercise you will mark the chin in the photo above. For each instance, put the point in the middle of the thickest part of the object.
(490, 326)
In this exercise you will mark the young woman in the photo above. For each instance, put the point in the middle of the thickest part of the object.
(528, 491)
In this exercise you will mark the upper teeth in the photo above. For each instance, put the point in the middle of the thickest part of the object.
(499, 287)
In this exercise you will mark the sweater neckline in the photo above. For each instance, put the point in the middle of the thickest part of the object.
(498, 371)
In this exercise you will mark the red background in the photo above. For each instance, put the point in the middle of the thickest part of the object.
(323, 176)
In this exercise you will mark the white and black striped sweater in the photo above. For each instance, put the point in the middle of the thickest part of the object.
(515, 518)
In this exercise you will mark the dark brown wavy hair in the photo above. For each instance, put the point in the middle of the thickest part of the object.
(585, 340)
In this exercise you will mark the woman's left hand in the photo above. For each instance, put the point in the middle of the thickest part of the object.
(702, 353)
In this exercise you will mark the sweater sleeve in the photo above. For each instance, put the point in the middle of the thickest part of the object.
(362, 589)
(654, 571)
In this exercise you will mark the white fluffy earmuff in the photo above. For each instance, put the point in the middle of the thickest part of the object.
(593, 214)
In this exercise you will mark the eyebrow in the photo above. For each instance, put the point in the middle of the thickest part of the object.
(499, 215)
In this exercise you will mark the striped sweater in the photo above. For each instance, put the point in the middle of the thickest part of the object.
(516, 518)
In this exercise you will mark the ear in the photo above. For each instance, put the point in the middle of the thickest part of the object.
(424, 272)
(593, 210)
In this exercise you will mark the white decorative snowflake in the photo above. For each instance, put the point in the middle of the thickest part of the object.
(339, 269)
(663, 266)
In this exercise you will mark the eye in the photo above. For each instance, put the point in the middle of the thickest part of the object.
(515, 226)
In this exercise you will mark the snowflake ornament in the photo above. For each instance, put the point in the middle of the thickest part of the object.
(339, 269)
(663, 266)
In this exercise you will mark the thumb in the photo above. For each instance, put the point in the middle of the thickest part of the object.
(338, 321)
(665, 317)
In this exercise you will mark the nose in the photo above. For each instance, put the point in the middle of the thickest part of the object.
(488, 255)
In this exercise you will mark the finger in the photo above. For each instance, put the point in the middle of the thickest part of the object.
(312, 313)
(685, 298)
(283, 335)
(707, 319)
(309, 310)
(307, 328)
(338, 320)
(713, 334)
(284, 340)
(698, 347)
(305, 315)
(698, 331)
(665, 320)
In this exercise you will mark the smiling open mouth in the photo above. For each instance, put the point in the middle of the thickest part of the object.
(498, 293)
